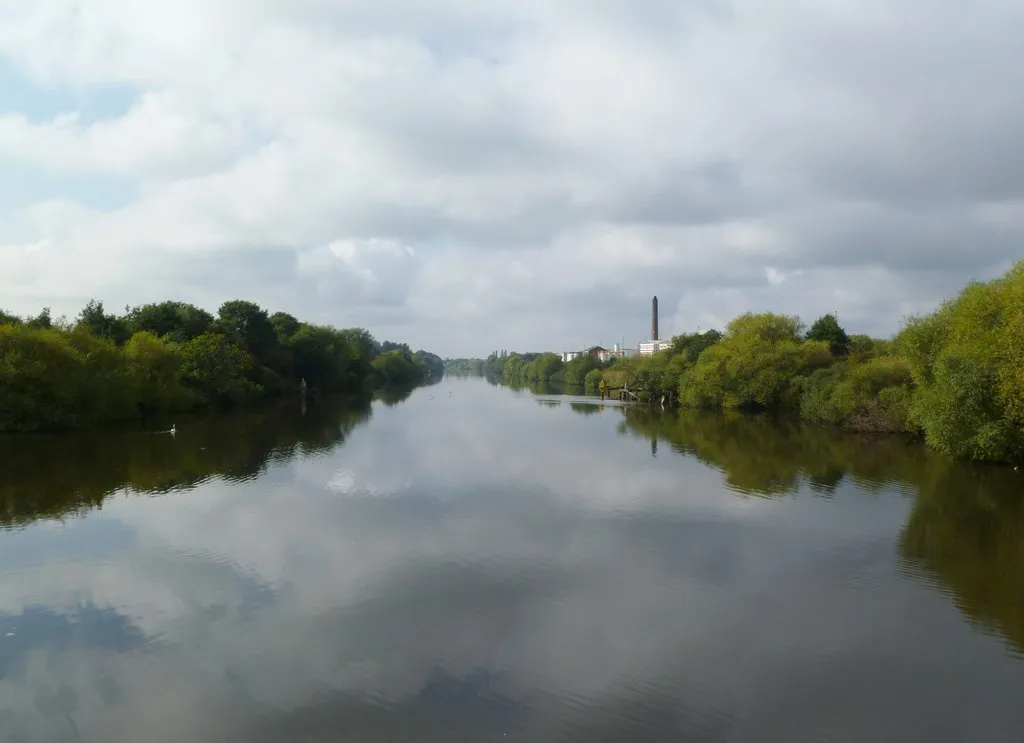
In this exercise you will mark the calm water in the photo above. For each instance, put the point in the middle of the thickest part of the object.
(476, 564)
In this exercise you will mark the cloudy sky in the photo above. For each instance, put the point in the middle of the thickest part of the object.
(469, 176)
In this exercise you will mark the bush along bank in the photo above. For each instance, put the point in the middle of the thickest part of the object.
(172, 356)
(954, 377)
(521, 369)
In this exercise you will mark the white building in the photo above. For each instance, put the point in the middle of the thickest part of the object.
(617, 352)
(648, 348)
(601, 353)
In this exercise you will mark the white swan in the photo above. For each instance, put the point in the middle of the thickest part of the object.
(173, 430)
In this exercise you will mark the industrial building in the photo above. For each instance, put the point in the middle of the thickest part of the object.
(655, 344)
(598, 352)
(644, 348)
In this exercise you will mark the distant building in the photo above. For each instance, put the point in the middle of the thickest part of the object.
(648, 348)
(644, 348)
(598, 352)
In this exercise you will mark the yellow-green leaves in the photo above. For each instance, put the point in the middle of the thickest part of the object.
(967, 359)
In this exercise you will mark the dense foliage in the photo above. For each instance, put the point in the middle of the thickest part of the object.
(464, 367)
(955, 377)
(174, 356)
(967, 364)
(529, 368)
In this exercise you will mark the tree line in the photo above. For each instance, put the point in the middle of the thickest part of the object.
(955, 377)
(103, 367)
(464, 367)
(519, 369)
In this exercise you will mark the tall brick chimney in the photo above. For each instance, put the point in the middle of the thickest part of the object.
(654, 319)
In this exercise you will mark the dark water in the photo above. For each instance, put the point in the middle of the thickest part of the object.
(474, 564)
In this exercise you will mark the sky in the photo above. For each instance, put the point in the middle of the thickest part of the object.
(469, 176)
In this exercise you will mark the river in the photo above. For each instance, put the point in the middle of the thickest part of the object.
(480, 564)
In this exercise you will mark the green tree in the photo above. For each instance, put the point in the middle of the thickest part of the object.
(42, 321)
(56, 375)
(397, 368)
(154, 366)
(546, 366)
(177, 321)
(756, 365)
(248, 325)
(285, 325)
(575, 372)
(433, 363)
(364, 342)
(40, 379)
(326, 359)
(864, 348)
(105, 391)
(691, 345)
(828, 330)
(94, 319)
(7, 318)
(215, 367)
(872, 396)
(392, 346)
(966, 361)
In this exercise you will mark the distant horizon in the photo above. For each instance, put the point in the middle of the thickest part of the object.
(451, 173)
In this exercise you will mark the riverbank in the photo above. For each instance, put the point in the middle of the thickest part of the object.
(174, 357)
(954, 378)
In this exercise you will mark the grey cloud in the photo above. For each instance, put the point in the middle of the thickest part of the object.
(704, 193)
(848, 138)
(950, 239)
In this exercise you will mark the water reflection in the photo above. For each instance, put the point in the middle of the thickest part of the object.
(965, 529)
(54, 477)
(766, 456)
(472, 565)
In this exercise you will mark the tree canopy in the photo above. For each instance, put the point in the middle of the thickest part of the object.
(827, 330)
(172, 355)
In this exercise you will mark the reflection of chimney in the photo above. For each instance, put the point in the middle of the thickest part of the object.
(654, 319)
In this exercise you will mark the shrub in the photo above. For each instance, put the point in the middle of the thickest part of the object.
(966, 359)
(873, 396)
(756, 365)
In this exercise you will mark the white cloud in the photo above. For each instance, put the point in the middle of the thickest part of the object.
(550, 166)
(164, 135)
(359, 271)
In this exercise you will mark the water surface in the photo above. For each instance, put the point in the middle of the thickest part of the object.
(477, 564)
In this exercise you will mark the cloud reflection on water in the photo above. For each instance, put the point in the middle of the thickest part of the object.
(467, 567)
